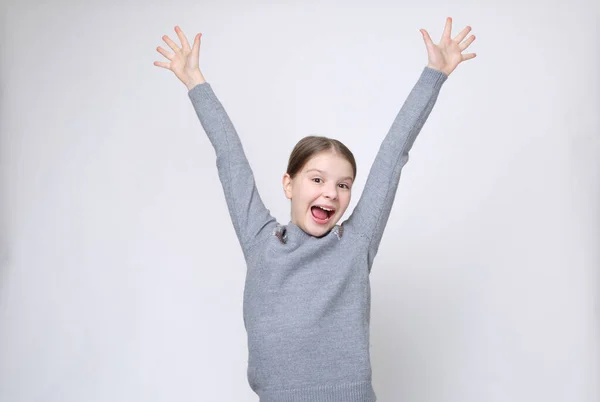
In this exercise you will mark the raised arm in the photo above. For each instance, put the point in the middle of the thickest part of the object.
(372, 211)
(249, 215)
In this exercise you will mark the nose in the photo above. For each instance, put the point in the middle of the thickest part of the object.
(331, 192)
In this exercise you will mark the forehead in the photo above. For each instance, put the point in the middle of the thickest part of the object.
(330, 165)
(326, 159)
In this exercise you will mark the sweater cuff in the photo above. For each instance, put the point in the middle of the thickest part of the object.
(433, 77)
(198, 87)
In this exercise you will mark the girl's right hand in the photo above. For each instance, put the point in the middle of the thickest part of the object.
(184, 61)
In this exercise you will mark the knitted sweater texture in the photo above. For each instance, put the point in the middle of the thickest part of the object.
(307, 299)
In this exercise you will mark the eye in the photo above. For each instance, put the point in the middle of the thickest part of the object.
(316, 178)
(344, 184)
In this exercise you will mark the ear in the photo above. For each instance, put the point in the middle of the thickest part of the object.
(286, 181)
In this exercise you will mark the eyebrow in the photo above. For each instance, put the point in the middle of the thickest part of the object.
(323, 173)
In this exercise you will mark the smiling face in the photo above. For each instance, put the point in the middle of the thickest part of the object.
(325, 180)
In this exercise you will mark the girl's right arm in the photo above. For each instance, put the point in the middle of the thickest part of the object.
(251, 219)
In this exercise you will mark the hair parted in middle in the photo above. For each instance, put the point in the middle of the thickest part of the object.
(313, 145)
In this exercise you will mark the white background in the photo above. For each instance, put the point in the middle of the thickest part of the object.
(122, 278)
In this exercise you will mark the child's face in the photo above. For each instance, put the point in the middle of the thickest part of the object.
(331, 187)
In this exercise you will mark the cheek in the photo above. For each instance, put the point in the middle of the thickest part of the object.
(308, 193)
(347, 199)
(304, 197)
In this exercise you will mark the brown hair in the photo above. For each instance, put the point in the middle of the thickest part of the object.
(312, 145)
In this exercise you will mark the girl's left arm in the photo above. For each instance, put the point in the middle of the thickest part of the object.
(372, 211)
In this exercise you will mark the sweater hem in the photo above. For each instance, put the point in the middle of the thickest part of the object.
(348, 392)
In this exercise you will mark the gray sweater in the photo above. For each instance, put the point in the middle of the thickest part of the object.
(307, 300)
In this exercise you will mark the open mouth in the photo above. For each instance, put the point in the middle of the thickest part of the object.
(320, 214)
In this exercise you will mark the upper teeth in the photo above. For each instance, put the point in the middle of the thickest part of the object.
(326, 209)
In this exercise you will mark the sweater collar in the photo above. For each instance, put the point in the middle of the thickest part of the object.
(295, 232)
(299, 235)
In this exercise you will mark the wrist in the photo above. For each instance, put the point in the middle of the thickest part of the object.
(194, 80)
(445, 71)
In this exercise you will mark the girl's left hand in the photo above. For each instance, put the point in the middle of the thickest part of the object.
(447, 55)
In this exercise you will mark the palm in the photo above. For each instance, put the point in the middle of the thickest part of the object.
(447, 55)
(184, 61)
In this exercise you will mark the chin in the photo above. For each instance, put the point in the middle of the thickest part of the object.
(319, 229)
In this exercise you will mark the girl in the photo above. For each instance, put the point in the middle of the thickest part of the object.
(307, 292)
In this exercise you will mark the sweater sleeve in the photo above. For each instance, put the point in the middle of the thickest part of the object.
(248, 214)
(372, 211)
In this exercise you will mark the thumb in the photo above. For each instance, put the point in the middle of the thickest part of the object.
(196, 47)
(426, 37)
